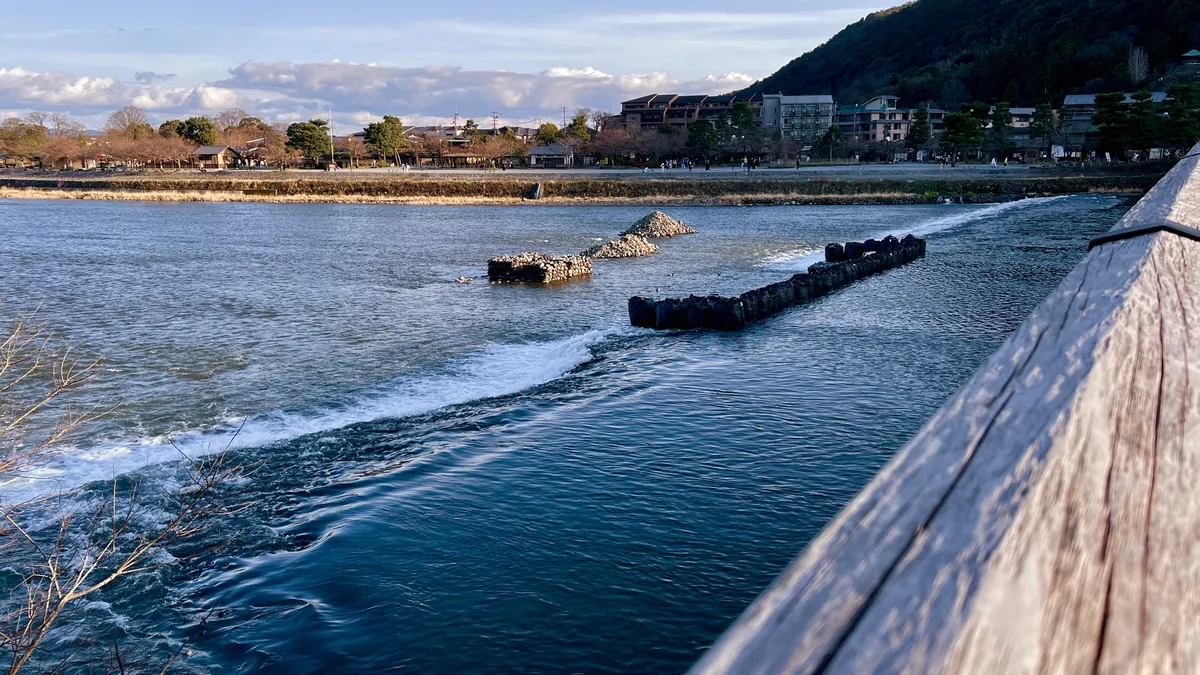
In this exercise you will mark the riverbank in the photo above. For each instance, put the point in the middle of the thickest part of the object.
(432, 189)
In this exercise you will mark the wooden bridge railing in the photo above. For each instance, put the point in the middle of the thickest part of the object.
(1047, 519)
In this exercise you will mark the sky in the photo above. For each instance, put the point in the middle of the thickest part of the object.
(420, 61)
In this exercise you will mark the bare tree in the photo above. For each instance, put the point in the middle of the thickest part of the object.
(38, 118)
(1139, 65)
(229, 118)
(87, 548)
(61, 125)
(130, 122)
(599, 118)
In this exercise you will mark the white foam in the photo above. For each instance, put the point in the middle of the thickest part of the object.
(801, 263)
(497, 370)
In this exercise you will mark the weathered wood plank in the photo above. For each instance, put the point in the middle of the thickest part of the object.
(1047, 519)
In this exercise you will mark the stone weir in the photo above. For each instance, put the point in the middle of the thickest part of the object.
(843, 265)
(538, 268)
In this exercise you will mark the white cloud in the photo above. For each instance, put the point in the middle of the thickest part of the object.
(358, 93)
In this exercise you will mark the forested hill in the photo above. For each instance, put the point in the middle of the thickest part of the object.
(1022, 51)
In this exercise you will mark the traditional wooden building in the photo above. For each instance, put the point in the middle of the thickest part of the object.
(215, 157)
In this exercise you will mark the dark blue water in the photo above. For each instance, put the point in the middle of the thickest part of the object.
(477, 478)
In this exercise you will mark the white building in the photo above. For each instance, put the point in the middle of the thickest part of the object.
(801, 118)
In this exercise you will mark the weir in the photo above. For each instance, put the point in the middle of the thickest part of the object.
(843, 265)
(1047, 519)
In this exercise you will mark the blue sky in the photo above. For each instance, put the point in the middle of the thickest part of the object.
(365, 59)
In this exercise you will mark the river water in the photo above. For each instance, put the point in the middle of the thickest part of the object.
(464, 477)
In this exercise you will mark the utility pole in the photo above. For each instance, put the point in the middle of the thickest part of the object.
(456, 121)
(495, 124)
(332, 159)
(564, 116)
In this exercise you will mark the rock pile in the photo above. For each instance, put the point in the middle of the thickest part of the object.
(838, 270)
(628, 246)
(538, 268)
(659, 224)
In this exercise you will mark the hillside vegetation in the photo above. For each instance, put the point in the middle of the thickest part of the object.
(1025, 52)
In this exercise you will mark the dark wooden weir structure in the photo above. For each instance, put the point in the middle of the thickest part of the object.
(1047, 519)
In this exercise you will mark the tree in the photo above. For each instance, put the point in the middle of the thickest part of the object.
(1145, 123)
(702, 140)
(62, 126)
(386, 137)
(613, 143)
(1139, 65)
(170, 128)
(21, 139)
(1012, 92)
(578, 130)
(200, 130)
(471, 130)
(919, 130)
(827, 146)
(1111, 120)
(1183, 115)
(130, 122)
(230, 117)
(1000, 136)
(59, 553)
(599, 119)
(311, 138)
(1042, 124)
(354, 149)
(548, 133)
(962, 134)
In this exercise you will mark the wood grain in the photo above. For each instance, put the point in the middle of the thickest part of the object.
(1047, 519)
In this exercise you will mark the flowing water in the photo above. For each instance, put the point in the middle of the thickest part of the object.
(487, 478)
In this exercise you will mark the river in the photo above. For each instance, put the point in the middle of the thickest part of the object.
(465, 477)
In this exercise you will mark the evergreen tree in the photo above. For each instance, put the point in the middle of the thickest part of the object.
(919, 130)
(386, 137)
(200, 130)
(963, 133)
(702, 139)
(310, 138)
(1042, 124)
(1111, 119)
(1182, 126)
(1001, 131)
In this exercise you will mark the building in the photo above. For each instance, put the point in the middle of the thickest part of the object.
(878, 120)
(652, 111)
(799, 118)
(1077, 111)
(553, 156)
(215, 157)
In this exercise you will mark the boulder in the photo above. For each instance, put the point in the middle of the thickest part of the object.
(889, 244)
(870, 246)
(658, 224)
(854, 250)
(628, 246)
(538, 268)
(641, 312)
(802, 288)
(728, 314)
(670, 313)
(834, 253)
(699, 312)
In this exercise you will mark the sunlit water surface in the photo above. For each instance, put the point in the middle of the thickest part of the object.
(486, 478)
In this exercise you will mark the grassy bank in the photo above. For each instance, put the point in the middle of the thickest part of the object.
(609, 190)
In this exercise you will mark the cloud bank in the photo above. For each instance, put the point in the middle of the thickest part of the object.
(357, 92)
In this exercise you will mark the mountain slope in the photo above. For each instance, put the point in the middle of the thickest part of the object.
(1024, 51)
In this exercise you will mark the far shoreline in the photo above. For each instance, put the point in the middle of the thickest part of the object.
(878, 187)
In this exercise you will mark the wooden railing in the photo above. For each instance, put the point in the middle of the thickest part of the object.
(1047, 519)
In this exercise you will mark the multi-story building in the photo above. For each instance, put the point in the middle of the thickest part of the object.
(1077, 110)
(654, 110)
(799, 118)
(878, 120)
